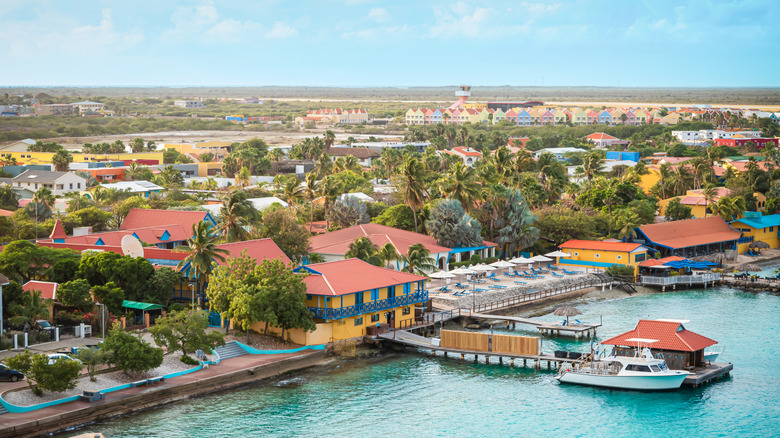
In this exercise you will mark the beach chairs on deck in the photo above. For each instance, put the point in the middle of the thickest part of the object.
(444, 289)
(571, 272)
(532, 275)
(461, 286)
(496, 286)
(521, 282)
(461, 293)
(555, 274)
(510, 275)
(551, 267)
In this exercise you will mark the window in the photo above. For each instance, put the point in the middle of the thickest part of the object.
(576, 253)
(359, 298)
(598, 255)
(71, 186)
(358, 321)
(78, 185)
(639, 257)
(406, 310)
(642, 368)
(375, 317)
(620, 257)
(308, 297)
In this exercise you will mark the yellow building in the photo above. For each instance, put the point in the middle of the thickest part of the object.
(45, 157)
(649, 179)
(756, 227)
(346, 297)
(475, 105)
(700, 207)
(601, 255)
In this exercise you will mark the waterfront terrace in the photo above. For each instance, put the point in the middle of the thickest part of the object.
(690, 237)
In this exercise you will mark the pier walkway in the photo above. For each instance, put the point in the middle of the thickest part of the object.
(581, 329)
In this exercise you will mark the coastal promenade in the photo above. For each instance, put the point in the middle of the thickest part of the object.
(227, 374)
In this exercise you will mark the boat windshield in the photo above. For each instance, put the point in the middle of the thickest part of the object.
(642, 368)
(663, 366)
(655, 368)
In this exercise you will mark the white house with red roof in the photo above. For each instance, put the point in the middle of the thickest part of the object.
(47, 289)
(601, 140)
(679, 347)
(352, 298)
(467, 154)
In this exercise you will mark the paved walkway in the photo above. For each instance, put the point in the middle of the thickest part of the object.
(225, 367)
(51, 347)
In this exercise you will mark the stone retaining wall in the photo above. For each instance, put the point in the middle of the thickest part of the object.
(759, 285)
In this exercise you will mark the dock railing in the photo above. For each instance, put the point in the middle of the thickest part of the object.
(427, 319)
(533, 294)
(688, 280)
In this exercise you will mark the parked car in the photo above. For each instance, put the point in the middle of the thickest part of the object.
(9, 374)
(54, 356)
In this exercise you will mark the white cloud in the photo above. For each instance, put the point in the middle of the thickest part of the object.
(281, 30)
(540, 7)
(460, 20)
(204, 23)
(380, 15)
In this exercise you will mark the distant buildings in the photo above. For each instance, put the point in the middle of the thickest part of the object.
(333, 116)
(603, 254)
(363, 155)
(468, 155)
(189, 103)
(88, 107)
(58, 182)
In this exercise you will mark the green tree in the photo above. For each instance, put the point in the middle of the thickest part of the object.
(110, 295)
(76, 293)
(137, 145)
(418, 260)
(290, 236)
(412, 185)
(203, 252)
(58, 376)
(398, 216)
(130, 353)
(328, 188)
(90, 217)
(61, 160)
(451, 226)
(130, 274)
(276, 155)
(185, 331)
(592, 165)
(161, 284)
(348, 211)
(33, 308)
(92, 359)
(236, 214)
(461, 184)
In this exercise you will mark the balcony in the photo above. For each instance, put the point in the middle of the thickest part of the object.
(370, 307)
(685, 280)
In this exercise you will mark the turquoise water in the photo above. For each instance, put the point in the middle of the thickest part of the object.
(409, 394)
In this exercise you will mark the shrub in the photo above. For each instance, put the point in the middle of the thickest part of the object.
(92, 358)
(130, 353)
(60, 376)
(188, 360)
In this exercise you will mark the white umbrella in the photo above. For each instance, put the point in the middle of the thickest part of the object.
(462, 271)
(521, 260)
(483, 267)
(442, 275)
(558, 254)
(540, 258)
(502, 264)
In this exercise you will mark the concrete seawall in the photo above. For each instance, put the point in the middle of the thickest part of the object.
(151, 397)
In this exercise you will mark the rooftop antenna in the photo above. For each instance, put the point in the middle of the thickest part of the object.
(132, 247)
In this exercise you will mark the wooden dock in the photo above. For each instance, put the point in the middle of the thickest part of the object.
(545, 328)
(711, 372)
(409, 339)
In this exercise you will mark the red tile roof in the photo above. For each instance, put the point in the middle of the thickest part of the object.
(352, 275)
(58, 232)
(337, 242)
(600, 245)
(48, 289)
(671, 335)
(658, 262)
(5, 212)
(150, 252)
(600, 136)
(468, 152)
(258, 250)
(145, 218)
(151, 235)
(690, 232)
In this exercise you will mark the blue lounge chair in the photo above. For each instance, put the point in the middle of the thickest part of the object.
(491, 276)
(533, 275)
(550, 267)
(539, 271)
(444, 289)
(461, 286)
(555, 274)
(521, 282)
(571, 272)
(510, 275)
(481, 290)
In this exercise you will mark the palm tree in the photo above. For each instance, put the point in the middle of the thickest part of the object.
(592, 165)
(682, 180)
(502, 160)
(418, 260)
(388, 254)
(630, 221)
(463, 136)
(309, 192)
(351, 163)
(330, 138)
(412, 183)
(276, 155)
(33, 308)
(133, 171)
(243, 177)
(665, 174)
(236, 213)
(710, 192)
(61, 160)
(461, 184)
(324, 165)
(729, 208)
(329, 189)
(203, 252)
(362, 248)
(44, 196)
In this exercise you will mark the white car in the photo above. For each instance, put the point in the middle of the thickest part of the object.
(54, 356)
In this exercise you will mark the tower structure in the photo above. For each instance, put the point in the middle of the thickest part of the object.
(463, 93)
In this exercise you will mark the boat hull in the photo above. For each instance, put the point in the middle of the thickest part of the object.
(637, 383)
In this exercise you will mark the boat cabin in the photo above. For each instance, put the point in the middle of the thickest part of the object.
(680, 348)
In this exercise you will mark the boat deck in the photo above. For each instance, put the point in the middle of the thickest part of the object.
(708, 373)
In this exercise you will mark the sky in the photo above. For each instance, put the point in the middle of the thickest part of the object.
(357, 43)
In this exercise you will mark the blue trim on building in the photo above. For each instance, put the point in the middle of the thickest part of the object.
(370, 307)
(587, 263)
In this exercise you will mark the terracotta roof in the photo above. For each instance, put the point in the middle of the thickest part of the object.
(600, 136)
(48, 289)
(352, 275)
(600, 245)
(317, 227)
(337, 242)
(258, 250)
(670, 335)
(690, 232)
(58, 232)
(145, 218)
(742, 166)
(468, 152)
(657, 262)
(150, 252)
(151, 235)
(5, 212)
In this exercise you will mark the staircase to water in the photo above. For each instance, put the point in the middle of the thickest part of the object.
(230, 350)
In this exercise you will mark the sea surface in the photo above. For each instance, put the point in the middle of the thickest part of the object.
(411, 394)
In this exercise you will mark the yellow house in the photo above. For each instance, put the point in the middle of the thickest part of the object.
(695, 200)
(475, 105)
(45, 157)
(601, 255)
(649, 179)
(346, 297)
(756, 227)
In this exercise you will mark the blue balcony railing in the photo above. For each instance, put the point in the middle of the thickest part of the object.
(370, 307)
(745, 239)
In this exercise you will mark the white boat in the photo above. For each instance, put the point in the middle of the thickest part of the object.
(641, 372)
(712, 352)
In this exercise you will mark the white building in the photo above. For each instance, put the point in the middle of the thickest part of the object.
(58, 182)
(468, 155)
(558, 152)
(88, 107)
(189, 103)
(145, 187)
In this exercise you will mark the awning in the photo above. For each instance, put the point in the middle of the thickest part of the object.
(141, 306)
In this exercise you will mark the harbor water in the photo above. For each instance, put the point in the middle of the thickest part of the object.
(407, 394)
